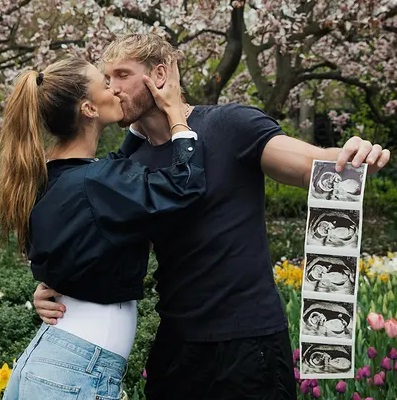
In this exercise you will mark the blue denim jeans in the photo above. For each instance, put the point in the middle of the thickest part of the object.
(60, 366)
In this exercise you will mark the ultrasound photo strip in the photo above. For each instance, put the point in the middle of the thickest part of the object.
(330, 276)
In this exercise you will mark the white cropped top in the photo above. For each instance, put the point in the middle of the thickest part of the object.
(110, 326)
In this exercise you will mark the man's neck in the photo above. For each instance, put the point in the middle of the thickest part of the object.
(155, 126)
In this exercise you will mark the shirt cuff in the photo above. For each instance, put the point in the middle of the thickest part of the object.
(136, 133)
(185, 135)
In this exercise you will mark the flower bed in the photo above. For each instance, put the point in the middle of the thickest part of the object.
(376, 342)
(376, 334)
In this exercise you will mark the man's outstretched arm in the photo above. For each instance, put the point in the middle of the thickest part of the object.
(289, 160)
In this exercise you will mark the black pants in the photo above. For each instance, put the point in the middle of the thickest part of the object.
(257, 368)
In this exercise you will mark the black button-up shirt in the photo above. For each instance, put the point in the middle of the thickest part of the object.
(89, 228)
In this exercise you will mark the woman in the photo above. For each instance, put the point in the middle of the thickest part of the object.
(84, 222)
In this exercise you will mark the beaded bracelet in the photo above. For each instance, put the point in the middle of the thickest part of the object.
(181, 124)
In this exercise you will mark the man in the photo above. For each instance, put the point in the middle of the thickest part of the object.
(223, 333)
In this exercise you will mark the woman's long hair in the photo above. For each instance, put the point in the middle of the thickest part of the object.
(40, 103)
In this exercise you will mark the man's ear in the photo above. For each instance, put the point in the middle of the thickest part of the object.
(88, 109)
(159, 75)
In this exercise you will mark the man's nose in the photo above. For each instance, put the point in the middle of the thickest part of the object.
(116, 89)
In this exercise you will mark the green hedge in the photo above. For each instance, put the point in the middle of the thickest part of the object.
(287, 201)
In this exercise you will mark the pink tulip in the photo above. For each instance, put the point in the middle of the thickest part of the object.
(305, 386)
(144, 374)
(296, 356)
(313, 382)
(341, 387)
(366, 371)
(375, 321)
(393, 354)
(369, 398)
(297, 374)
(378, 381)
(386, 364)
(382, 374)
(391, 328)
(316, 392)
(363, 372)
(356, 396)
(372, 353)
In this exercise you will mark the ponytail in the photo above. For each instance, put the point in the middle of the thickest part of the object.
(22, 158)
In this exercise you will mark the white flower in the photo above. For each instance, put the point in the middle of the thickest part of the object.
(1, 295)
(28, 305)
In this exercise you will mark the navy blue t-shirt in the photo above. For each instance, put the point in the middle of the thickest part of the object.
(215, 277)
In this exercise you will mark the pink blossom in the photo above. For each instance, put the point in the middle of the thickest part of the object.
(366, 371)
(356, 396)
(391, 328)
(393, 354)
(313, 382)
(378, 381)
(297, 374)
(316, 392)
(305, 386)
(372, 353)
(341, 387)
(296, 356)
(382, 374)
(375, 321)
(144, 374)
(386, 364)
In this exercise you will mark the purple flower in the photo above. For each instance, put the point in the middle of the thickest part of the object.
(369, 398)
(305, 386)
(341, 387)
(393, 354)
(356, 396)
(372, 353)
(363, 372)
(378, 381)
(366, 371)
(316, 392)
(296, 356)
(313, 382)
(386, 364)
(382, 375)
(297, 374)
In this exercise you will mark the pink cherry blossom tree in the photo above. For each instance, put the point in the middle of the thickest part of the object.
(260, 51)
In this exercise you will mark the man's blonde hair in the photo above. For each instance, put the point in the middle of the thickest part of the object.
(149, 49)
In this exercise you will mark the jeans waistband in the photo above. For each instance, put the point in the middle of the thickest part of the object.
(94, 354)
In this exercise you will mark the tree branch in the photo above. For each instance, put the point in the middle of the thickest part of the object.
(369, 91)
(230, 59)
(16, 7)
(197, 34)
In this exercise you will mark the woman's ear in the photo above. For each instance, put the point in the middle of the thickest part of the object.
(159, 75)
(88, 109)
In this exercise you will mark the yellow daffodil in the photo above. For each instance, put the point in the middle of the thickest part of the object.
(5, 373)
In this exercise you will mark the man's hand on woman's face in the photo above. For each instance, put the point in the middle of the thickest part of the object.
(48, 310)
